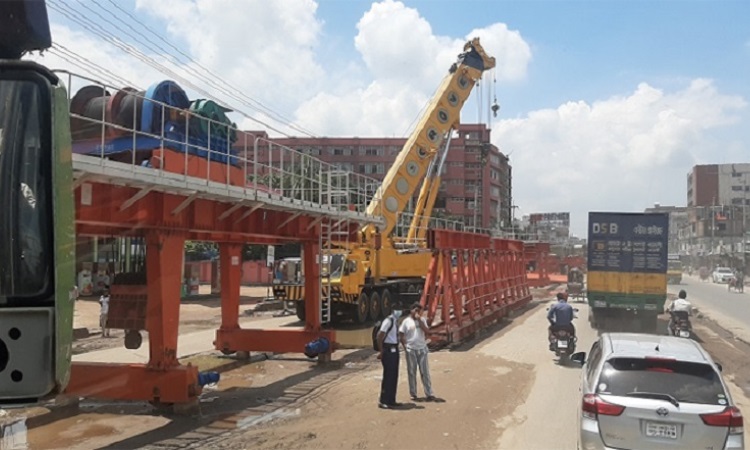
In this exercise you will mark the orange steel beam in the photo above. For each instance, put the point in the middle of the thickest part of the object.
(277, 341)
(162, 379)
(230, 337)
(230, 257)
(164, 277)
(133, 382)
(311, 266)
(199, 220)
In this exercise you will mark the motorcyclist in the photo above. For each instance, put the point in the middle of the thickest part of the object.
(560, 316)
(681, 306)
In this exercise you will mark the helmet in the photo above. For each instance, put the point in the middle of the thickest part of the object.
(682, 294)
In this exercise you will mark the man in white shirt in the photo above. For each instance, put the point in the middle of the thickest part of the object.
(412, 335)
(104, 302)
(681, 306)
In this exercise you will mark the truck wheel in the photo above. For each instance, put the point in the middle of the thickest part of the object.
(386, 303)
(299, 308)
(375, 305)
(363, 308)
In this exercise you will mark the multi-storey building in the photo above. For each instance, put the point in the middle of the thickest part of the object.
(718, 198)
(476, 178)
(678, 222)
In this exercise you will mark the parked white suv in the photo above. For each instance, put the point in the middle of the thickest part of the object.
(642, 391)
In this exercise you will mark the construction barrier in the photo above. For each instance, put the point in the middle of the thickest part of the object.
(473, 281)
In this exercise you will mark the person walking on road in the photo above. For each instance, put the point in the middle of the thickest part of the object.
(389, 358)
(104, 312)
(412, 335)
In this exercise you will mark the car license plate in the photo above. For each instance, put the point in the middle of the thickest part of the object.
(562, 344)
(661, 430)
(684, 333)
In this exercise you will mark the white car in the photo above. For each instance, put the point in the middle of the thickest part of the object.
(648, 392)
(722, 275)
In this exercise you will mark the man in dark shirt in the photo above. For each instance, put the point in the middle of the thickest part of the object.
(560, 316)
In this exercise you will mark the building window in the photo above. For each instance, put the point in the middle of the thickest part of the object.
(371, 151)
(495, 191)
(372, 168)
(736, 188)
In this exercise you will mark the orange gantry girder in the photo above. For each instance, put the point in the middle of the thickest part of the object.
(473, 281)
(166, 220)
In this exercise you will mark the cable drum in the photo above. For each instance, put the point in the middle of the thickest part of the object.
(219, 124)
(126, 110)
(90, 102)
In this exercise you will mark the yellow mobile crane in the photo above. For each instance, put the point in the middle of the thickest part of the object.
(365, 279)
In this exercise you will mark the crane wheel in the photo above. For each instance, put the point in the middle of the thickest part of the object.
(386, 303)
(363, 308)
(375, 305)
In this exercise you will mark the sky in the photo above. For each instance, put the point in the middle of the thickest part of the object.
(605, 105)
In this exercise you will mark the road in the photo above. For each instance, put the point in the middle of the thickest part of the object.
(501, 391)
(730, 309)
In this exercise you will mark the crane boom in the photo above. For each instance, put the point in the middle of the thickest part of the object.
(441, 116)
(428, 195)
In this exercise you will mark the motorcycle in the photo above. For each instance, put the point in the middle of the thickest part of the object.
(681, 326)
(563, 341)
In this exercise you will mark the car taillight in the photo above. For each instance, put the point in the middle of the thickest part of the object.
(731, 417)
(592, 406)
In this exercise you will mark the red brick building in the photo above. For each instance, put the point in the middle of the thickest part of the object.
(470, 191)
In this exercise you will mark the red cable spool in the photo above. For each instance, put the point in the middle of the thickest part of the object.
(88, 103)
(120, 111)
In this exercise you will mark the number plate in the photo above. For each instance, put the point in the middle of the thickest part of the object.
(684, 334)
(661, 430)
(562, 344)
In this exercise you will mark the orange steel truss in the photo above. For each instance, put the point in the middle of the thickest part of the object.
(473, 281)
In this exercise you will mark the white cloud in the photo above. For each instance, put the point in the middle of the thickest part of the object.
(622, 153)
(406, 61)
(265, 48)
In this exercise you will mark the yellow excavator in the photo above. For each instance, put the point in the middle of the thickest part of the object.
(381, 269)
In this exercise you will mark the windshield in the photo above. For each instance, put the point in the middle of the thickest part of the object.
(25, 253)
(674, 265)
(685, 381)
(336, 265)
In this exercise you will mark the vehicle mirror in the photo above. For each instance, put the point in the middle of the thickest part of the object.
(579, 357)
(575, 309)
(718, 366)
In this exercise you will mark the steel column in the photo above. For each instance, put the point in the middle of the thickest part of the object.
(230, 259)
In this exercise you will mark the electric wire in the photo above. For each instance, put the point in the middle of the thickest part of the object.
(213, 78)
(96, 29)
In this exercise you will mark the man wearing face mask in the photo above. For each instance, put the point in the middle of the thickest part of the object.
(389, 358)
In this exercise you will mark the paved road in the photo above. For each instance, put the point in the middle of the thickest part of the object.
(730, 309)
(539, 399)
(548, 417)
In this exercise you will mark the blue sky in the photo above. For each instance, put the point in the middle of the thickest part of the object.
(605, 104)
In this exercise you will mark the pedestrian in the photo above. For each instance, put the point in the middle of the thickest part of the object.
(104, 312)
(389, 358)
(412, 333)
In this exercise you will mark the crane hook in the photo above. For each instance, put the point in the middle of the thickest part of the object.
(495, 108)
